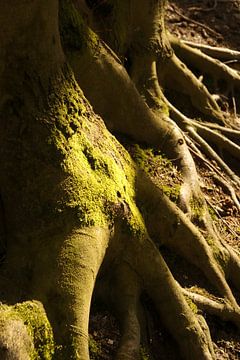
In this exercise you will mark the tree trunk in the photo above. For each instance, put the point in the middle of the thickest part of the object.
(74, 203)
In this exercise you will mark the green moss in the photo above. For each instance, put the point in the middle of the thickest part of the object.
(197, 207)
(173, 192)
(147, 157)
(99, 174)
(144, 354)
(221, 258)
(104, 184)
(159, 168)
(34, 317)
(94, 349)
(191, 304)
(75, 34)
(212, 213)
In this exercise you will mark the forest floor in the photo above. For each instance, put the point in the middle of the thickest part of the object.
(215, 23)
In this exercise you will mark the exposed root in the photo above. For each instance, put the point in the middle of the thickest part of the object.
(221, 53)
(205, 329)
(214, 307)
(217, 175)
(207, 65)
(169, 301)
(227, 186)
(178, 77)
(183, 237)
(191, 127)
(228, 132)
(125, 292)
(213, 155)
(218, 139)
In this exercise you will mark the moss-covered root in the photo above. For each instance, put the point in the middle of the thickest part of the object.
(177, 150)
(179, 233)
(25, 332)
(125, 291)
(68, 291)
(169, 301)
(110, 91)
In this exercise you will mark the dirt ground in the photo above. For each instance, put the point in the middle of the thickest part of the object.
(216, 23)
(212, 22)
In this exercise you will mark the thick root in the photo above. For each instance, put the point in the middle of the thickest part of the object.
(220, 53)
(170, 303)
(67, 300)
(214, 307)
(207, 65)
(193, 127)
(178, 77)
(125, 292)
(182, 236)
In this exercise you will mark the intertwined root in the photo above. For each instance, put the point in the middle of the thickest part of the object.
(137, 272)
(138, 105)
(224, 77)
(150, 273)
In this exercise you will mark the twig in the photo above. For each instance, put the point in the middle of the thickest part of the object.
(197, 23)
(234, 106)
(204, 9)
(198, 153)
(212, 153)
(220, 217)
(217, 174)
(229, 189)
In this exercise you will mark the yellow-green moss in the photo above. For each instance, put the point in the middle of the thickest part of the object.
(197, 208)
(32, 314)
(172, 192)
(99, 175)
(144, 354)
(34, 317)
(212, 213)
(94, 349)
(159, 168)
(191, 304)
(75, 34)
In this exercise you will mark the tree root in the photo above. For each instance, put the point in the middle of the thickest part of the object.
(178, 77)
(125, 293)
(193, 128)
(215, 173)
(170, 304)
(137, 110)
(225, 184)
(214, 307)
(184, 238)
(207, 65)
(228, 132)
(220, 53)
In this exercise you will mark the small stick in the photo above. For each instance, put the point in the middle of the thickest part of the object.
(197, 23)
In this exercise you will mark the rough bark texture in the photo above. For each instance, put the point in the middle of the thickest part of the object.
(75, 204)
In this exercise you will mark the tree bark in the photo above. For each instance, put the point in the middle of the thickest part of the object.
(74, 204)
